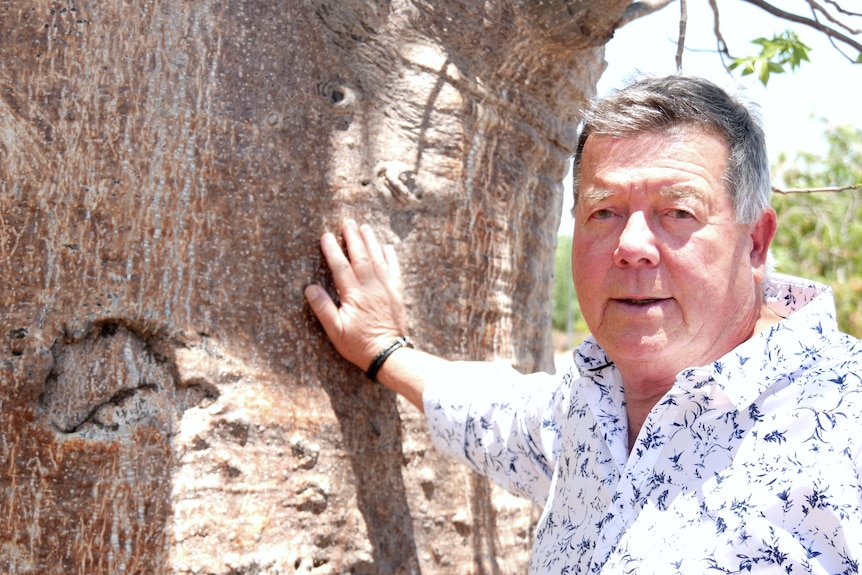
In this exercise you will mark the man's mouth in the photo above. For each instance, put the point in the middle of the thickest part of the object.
(640, 301)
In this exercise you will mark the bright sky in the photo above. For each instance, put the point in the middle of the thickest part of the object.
(827, 87)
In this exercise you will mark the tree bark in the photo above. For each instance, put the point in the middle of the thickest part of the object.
(167, 402)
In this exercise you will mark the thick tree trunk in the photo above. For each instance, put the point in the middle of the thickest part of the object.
(167, 402)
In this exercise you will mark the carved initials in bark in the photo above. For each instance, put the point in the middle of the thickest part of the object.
(113, 380)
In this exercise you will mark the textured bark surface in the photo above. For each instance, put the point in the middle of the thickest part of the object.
(167, 402)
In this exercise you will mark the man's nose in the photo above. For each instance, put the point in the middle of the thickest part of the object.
(637, 246)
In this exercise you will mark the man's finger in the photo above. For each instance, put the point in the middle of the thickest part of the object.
(325, 310)
(357, 251)
(378, 259)
(342, 269)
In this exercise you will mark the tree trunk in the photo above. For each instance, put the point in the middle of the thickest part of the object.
(167, 402)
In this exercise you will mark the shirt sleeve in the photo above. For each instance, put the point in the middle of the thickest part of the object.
(500, 422)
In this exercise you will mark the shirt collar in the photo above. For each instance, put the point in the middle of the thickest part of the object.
(765, 360)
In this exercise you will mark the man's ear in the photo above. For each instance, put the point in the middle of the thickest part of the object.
(762, 232)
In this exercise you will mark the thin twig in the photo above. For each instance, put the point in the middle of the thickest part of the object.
(815, 8)
(721, 45)
(680, 44)
(815, 190)
(841, 9)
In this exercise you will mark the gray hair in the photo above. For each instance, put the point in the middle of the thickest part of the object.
(651, 105)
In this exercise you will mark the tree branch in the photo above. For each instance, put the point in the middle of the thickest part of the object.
(640, 9)
(815, 190)
(830, 32)
(680, 44)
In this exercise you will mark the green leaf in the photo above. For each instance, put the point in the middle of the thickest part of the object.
(784, 49)
(764, 75)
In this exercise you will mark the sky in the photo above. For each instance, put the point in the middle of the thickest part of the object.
(829, 86)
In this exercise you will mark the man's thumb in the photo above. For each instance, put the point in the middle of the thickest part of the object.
(316, 298)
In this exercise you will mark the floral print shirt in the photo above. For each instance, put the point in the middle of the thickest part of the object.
(749, 464)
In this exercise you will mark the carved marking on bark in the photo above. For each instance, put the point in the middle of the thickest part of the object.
(114, 378)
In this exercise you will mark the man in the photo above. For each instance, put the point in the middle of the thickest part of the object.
(711, 422)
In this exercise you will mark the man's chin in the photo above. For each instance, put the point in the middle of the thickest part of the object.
(630, 347)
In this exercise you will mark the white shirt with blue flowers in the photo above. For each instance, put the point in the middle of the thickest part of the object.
(750, 464)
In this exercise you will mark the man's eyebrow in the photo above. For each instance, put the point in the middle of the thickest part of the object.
(682, 193)
(672, 192)
(596, 194)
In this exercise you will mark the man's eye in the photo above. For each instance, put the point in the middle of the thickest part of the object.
(602, 214)
(680, 214)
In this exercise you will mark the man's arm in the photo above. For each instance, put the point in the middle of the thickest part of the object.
(485, 414)
(371, 314)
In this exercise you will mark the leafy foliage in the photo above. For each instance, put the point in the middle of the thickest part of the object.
(819, 233)
(782, 50)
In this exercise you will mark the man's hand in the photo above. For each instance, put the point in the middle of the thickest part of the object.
(371, 314)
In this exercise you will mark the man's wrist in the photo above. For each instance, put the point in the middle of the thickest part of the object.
(380, 358)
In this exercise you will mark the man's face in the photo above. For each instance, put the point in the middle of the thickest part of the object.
(666, 277)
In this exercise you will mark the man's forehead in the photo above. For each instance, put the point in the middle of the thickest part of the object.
(673, 164)
(643, 147)
(683, 133)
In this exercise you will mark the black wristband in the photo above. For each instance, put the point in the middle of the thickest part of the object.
(375, 366)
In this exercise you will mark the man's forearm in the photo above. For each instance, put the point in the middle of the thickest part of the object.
(408, 371)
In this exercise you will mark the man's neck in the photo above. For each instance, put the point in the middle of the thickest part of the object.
(640, 400)
(646, 385)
